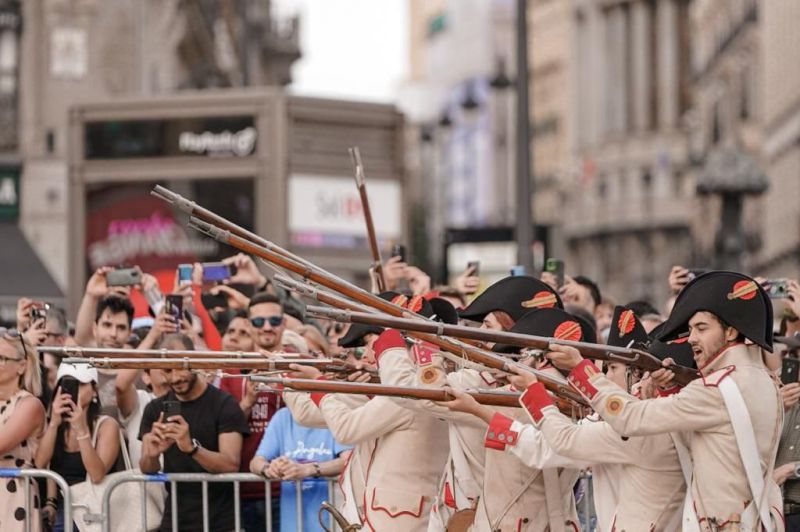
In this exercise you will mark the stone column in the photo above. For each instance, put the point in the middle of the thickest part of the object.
(642, 69)
(667, 27)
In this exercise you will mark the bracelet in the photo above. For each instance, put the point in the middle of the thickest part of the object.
(52, 504)
(317, 470)
(51, 499)
(84, 437)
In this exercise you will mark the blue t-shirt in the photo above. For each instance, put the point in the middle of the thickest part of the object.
(285, 437)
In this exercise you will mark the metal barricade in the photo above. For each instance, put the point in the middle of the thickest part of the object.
(173, 479)
(49, 475)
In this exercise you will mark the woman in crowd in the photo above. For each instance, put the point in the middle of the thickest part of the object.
(22, 418)
(79, 444)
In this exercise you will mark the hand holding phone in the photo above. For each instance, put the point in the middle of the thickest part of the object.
(171, 408)
(70, 386)
(790, 370)
(174, 307)
(777, 288)
(124, 277)
(556, 267)
(399, 250)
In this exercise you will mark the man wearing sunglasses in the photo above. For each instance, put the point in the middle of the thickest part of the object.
(266, 315)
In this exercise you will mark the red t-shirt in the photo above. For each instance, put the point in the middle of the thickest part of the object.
(267, 404)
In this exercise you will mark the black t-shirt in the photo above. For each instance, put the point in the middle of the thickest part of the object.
(213, 413)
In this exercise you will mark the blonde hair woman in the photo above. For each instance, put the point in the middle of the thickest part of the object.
(22, 417)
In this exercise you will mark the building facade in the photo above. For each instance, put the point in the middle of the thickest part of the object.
(628, 212)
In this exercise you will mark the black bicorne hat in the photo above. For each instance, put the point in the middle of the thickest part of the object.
(357, 331)
(552, 323)
(734, 298)
(515, 295)
(626, 330)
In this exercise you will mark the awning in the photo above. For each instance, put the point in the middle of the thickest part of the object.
(22, 274)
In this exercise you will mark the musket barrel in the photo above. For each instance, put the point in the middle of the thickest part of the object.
(265, 364)
(638, 358)
(355, 155)
(102, 352)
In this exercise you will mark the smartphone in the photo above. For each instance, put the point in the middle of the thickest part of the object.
(399, 250)
(185, 274)
(790, 368)
(476, 267)
(171, 408)
(124, 277)
(174, 306)
(777, 288)
(69, 385)
(556, 267)
(517, 270)
(695, 272)
(39, 310)
(216, 271)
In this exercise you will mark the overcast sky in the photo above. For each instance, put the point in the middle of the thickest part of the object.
(352, 49)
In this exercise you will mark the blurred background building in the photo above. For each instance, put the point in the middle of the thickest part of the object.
(662, 132)
(655, 124)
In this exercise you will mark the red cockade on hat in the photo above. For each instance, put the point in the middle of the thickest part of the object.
(568, 330)
(745, 290)
(626, 322)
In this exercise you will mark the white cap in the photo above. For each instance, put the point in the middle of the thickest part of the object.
(81, 372)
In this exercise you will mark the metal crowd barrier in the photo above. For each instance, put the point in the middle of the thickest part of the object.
(204, 478)
(28, 474)
(585, 503)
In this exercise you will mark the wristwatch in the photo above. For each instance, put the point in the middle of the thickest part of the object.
(797, 470)
(195, 447)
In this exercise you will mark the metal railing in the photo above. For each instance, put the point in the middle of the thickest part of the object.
(173, 479)
(28, 474)
(104, 518)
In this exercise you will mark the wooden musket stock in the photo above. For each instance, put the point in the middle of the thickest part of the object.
(377, 263)
(484, 397)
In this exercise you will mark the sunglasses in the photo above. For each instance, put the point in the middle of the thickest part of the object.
(13, 334)
(273, 321)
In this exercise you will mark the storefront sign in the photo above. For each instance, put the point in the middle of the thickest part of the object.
(326, 211)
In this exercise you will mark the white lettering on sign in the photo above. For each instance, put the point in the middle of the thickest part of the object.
(332, 206)
(156, 235)
(8, 192)
(242, 143)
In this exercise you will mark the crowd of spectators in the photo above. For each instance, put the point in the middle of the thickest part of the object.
(71, 418)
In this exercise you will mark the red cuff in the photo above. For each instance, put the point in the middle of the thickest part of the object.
(317, 397)
(669, 391)
(580, 378)
(389, 339)
(535, 399)
(499, 433)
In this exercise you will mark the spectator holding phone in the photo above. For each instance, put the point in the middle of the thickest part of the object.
(787, 462)
(79, 443)
(23, 419)
(132, 401)
(258, 407)
(290, 452)
(205, 437)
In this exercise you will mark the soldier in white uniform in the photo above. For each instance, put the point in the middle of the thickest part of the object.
(730, 419)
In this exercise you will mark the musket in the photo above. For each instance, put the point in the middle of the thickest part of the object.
(463, 350)
(102, 352)
(317, 275)
(377, 263)
(484, 397)
(625, 355)
(263, 364)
